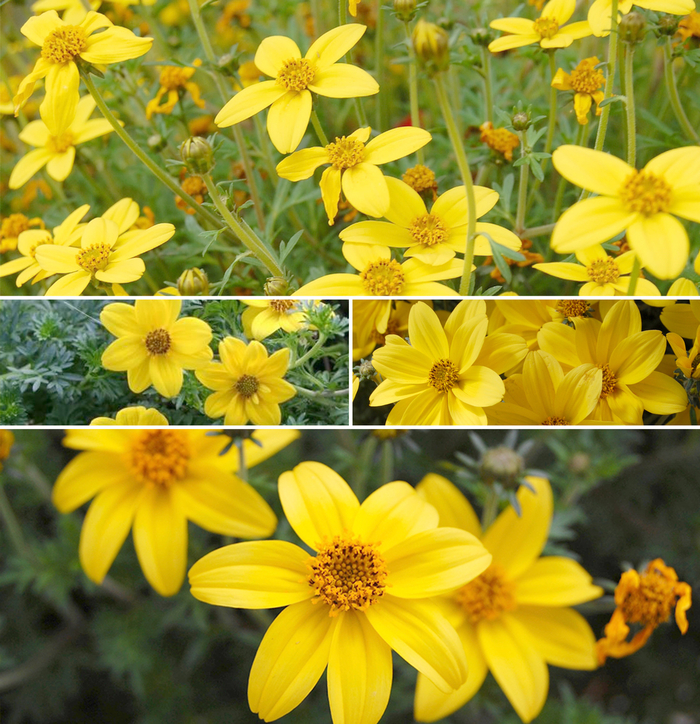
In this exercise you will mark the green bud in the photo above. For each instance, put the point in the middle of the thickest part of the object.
(276, 287)
(482, 36)
(156, 142)
(521, 121)
(405, 10)
(667, 25)
(197, 155)
(193, 282)
(432, 45)
(502, 465)
(366, 371)
(632, 28)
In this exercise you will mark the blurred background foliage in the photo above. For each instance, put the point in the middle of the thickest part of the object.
(73, 652)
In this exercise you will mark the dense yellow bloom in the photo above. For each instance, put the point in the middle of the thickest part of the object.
(265, 316)
(153, 346)
(515, 618)
(500, 140)
(353, 167)
(586, 81)
(600, 12)
(248, 384)
(57, 153)
(431, 237)
(133, 417)
(435, 378)
(295, 78)
(549, 30)
(605, 276)
(645, 599)
(173, 80)
(644, 203)
(61, 45)
(362, 592)
(157, 480)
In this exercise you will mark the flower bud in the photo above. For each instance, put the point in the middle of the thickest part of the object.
(197, 155)
(632, 28)
(521, 121)
(193, 282)
(405, 10)
(502, 465)
(481, 36)
(366, 371)
(431, 45)
(276, 287)
(667, 25)
(156, 142)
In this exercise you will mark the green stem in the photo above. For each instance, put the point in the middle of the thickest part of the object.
(488, 83)
(610, 79)
(673, 95)
(463, 163)
(522, 188)
(324, 396)
(534, 231)
(317, 127)
(242, 230)
(630, 119)
(552, 108)
(580, 140)
(319, 343)
(379, 68)
(634, 276)
(413, 88)
(12, 526)
(387, 462)
(490, 510)
(342, 12)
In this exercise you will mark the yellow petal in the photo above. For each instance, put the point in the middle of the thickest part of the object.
(559, 10)
(426, 332)
(35, 133)
(517, 26)
(578, 393)
(27, 166)
(636, 357)
(288, 119)
(343, 81)
(680, 167)
(302, 164)
(595, 171)
(365, 188)
(115, 45)
(71, 285)
(166, 375)
(395, 144)
(60, 166)
(509, 42)
(61, 99)
(453, 507)
(590, 222)
(405, 204)
(39, 26)
(564, 270)
(556, 581)
(666, 260)
(660, 394)
(124, 353)
(330, 193)
(334, 44)
(248, 102)
(272, 52)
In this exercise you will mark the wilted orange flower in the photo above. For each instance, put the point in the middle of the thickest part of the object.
(195, 187)
(500, 140)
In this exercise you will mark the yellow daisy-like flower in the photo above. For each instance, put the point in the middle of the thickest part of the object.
(103, 256)
(133, 417)
(434, 379)
(516, 617)
(11, 228)
(363, 591)
(605, 276)
(248, 384)
(174, 80)
(61, 45)
(371, 325)
(265, 316)
(586, 81)
(295, 78)
(57, 153)
(381, 276)
(155, 481)
(353, 167)
(643, 203)
(600, 12)
(431, 237)
(153, 345)
(549, 30)
(683, 319)
(687, 361)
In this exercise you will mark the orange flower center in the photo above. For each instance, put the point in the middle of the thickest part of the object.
(421, 179)
(586, 78)
(553, 420)
(651, 601)
(609, 381)
(572, 308)
(246, 386)
(546, 27)
(172, 78)
(646, 193)
(428, 230)
(160, 457)
(63, 44)
(347, 574)
(281, 305)
(383, 278)
(158, 342)
(443, 375)
(346, 152)
(487, 596)
(13, 225)
(60, 144)
(94, 258)
(603, 271)
(296, 74)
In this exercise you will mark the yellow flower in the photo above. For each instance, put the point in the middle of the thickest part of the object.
(373, 321)
(157, 480)
(57, 153)
(500, 140)
(173, 80)
(353, 167)
(586, 81)
(689, 27)
(431, 237)
(153, 346)
(515, 618)
(61, 44)
(382, 276)
(646, 599)
(133, 417)
(103, 255)
(642, 203)
(422, 180)
(265, 316)
(683, 319)
(11, 228)
(605, 276)
(363, 591)
(295, 78)
(248, 384)
(549, 30)
(600, 12)
(435, 379)
(686, 361)
(7, 440)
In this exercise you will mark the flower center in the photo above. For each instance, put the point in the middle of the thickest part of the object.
(650, 603)
(246, 386)
(158, 341)
(487, 596)
(609, 381)
(346, 152)
(586, 78)
(94, 258)
(383, 278)
(428, 230)
(443, 375)
(572, 308)
(63, 44)
(296, 74)
(645, 193)
(48, 239)
(60, 144)
(603, 271)
(546, 27)
(421, 179)
(13, 226)
(553, 420)
(694, 364)
(281, 305)
(172, 78)
(160, 457)
(347, 574)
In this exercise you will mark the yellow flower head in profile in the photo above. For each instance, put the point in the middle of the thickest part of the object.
(549, 30)
(62, 45)
(516, 617)
(646, 599)
(687, 361)
(265, 316)
(155, 481)
(586, 81)
(133, 417)
(642, 203)
(175, 80)
(431, 237)
(435, 378)
(153, 345)
(353, 167)
(362, 591)
(295, 78)
(248, 384)
(11, 228)
(600, 12)
(57, 153)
